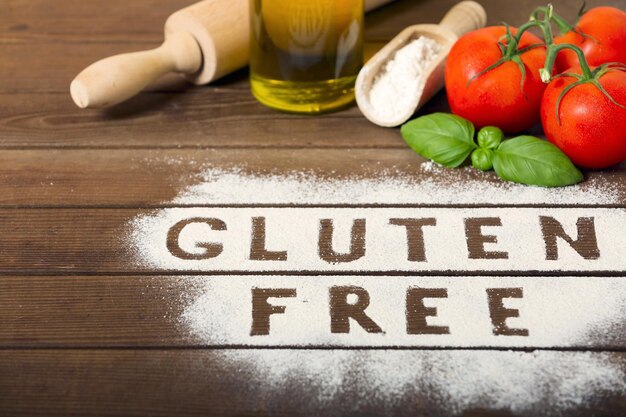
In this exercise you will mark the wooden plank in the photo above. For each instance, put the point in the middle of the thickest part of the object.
(209, 119)
(92, 311)
(104, 241)
(49, 307)
(77, 22)
(66, 52)
(218, 118)
(391, 19)
(68, 36)
(50, 67)
(153, 178)
(250, 383)
(49, 247)
(64, 62)
(147, 312)
(85, 22)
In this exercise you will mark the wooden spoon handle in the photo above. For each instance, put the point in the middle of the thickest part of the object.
(465, 17)
(115, 79)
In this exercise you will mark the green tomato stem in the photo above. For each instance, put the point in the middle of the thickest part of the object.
(553, 51)
(563, 25)
(535, 22)
(514, 41)
(544, 23)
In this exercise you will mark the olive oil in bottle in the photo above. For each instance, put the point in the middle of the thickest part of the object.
(305, 55)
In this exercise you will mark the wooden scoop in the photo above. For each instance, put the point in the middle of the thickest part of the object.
(204, 42)
(461, 19)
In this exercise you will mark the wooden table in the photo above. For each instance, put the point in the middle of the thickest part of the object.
(85, 329)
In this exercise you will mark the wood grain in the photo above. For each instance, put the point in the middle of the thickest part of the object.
(223, 118)
(40, 241)
(81, 22)
(72, 312)
(70, 37)
(214, 116)
(209, 383)
(109, 342)
(153, 177)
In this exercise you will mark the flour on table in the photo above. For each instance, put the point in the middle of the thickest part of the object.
(394, 90)
(553, 309)
(453, 381)
(449, 383)
(295, 230)
(433, 185)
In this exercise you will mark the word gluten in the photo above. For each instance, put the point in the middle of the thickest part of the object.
(584, 243)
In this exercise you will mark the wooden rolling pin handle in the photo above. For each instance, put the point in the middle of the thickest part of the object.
(118, 78)
(465, 17)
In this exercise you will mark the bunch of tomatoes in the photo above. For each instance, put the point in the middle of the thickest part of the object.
(574, 84)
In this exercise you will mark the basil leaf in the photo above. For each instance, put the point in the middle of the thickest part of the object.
(444, 138)
(532, 161)
(482, 159)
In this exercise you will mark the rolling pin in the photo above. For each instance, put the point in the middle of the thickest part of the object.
(204, 42)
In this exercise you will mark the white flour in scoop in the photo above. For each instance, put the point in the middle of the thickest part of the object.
(394, 90)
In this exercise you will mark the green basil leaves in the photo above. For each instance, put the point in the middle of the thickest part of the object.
(444, 138)
(532, 161)
(449, 141)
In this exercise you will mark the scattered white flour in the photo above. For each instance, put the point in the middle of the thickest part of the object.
(582, 312)
(433, 185)
(394, 90)
(446, 383)
(563, 312)
(296, 230)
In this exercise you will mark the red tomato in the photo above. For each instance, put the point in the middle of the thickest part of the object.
(605, 42)
(497, 97)
(592, 129)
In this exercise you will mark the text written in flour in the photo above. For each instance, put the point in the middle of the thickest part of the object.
(348, 304)
(307, 241)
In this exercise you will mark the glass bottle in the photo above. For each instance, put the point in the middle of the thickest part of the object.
(305, 55)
